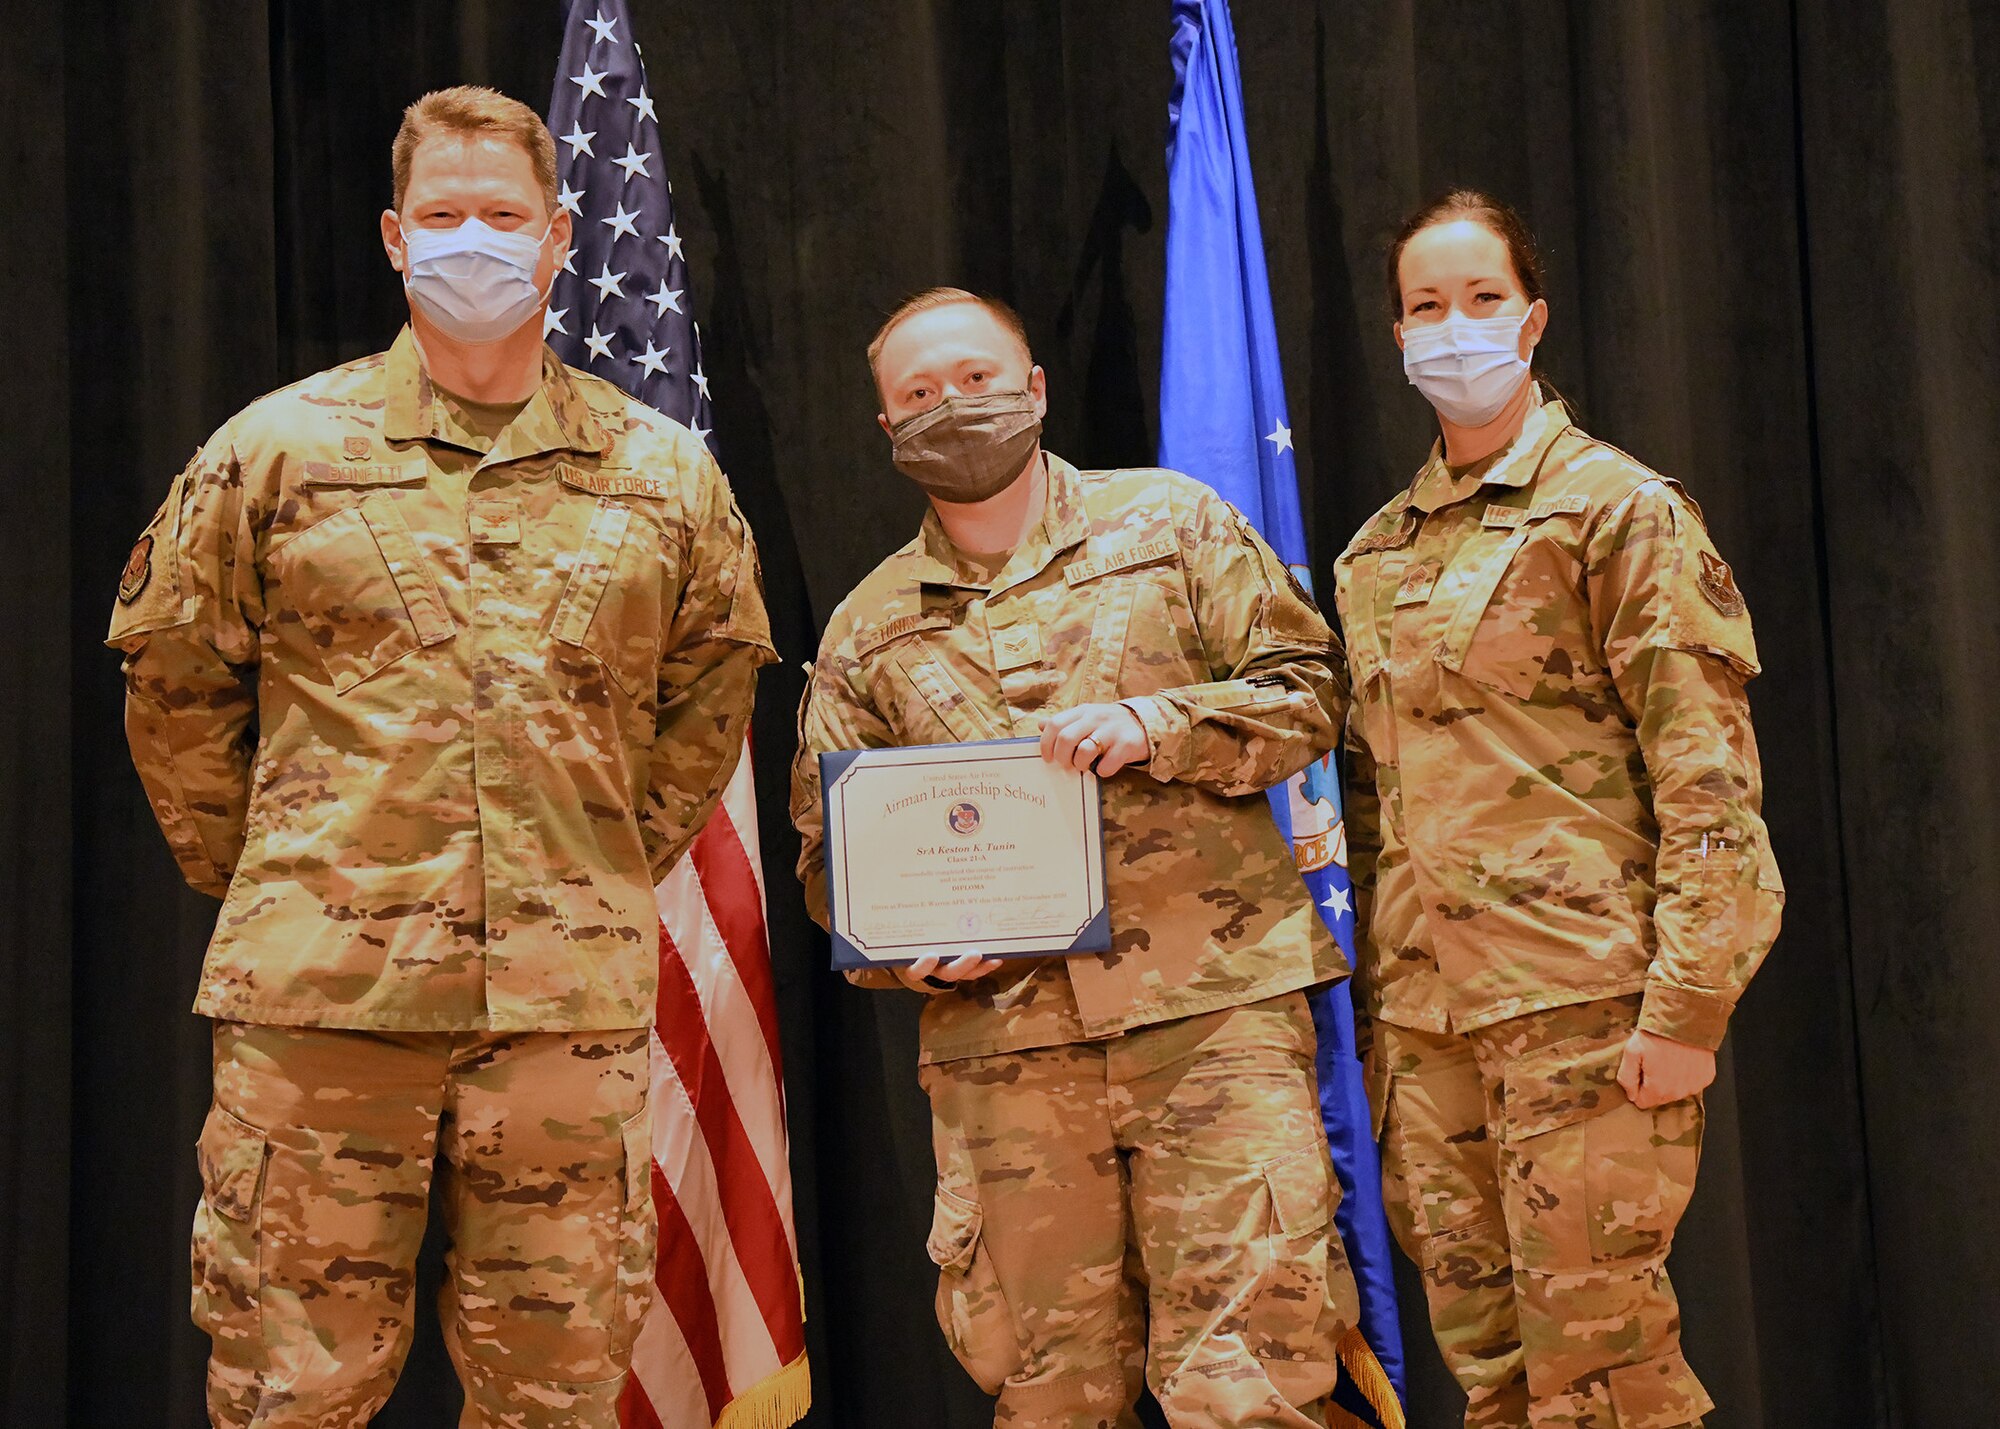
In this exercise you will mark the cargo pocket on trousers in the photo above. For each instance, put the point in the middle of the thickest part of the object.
(1588, 1178)
(227, 1253)
(1658, 1394)
(972, 1309)
(1308, 1295)
(638, 1234)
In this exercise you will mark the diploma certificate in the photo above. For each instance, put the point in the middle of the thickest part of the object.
(941, 849)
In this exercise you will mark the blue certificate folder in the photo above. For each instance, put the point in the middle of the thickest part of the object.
(927, 829)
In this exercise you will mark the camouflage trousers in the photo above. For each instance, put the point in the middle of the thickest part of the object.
(1540, 1205)
(1156, 1205)
(316, 1164)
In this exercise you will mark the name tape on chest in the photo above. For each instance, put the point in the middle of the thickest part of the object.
(613, 483)
(385, 473)
(1397, 535)
(902, 625)
(1121, 558)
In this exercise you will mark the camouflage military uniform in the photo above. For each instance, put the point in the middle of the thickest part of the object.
(1147, 1116)
(430, 711)
(1555, 838)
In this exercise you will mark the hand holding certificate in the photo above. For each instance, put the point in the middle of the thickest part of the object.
(939, 850)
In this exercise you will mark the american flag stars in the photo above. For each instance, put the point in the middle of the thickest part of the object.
(629, 322)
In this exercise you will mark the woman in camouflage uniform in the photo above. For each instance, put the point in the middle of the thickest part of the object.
(1554, 830)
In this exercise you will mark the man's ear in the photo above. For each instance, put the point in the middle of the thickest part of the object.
(1038, 388)
(392, 238)
(882, 421)
(560, 228)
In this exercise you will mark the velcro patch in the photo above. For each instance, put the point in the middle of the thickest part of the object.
(1418, 583)
(613, 483)
(1397, 535)
(138, 570)
(1120, 559)
(397, 473)
(1718, 583)
(1559, 506)
(1504, 518)
(1017, 648)
(494, 522)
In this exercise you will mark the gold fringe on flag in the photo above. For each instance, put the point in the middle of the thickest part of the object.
(1358, 1359)
(773, 1403)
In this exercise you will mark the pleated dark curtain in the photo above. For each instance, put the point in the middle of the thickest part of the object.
(1772, 234)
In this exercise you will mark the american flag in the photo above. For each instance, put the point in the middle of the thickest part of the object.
(725, 1342)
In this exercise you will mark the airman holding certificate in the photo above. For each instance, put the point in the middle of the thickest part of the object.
(1133, 1181)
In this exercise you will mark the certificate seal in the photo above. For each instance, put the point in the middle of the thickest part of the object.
(964, 818)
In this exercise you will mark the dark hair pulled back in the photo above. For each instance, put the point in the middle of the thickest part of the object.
(1485, 210)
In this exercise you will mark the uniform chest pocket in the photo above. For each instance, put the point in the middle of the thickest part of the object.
(930, 705)
(361, 589)
(1143, 638)
(1519, 623)
(613, 604)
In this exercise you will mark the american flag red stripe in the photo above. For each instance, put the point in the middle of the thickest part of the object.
(725, 1344)
(737, 904)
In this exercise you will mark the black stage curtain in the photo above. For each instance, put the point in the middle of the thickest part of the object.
(1771, 230)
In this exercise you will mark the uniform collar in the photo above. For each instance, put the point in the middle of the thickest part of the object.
(1516, 466)
(556, 418)
(1065, 523)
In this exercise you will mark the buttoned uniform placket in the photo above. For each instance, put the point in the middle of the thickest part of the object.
(508, 603)
(1420, 588)
(502, 629)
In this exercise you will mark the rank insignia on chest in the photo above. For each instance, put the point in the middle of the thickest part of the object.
(1718, 583)
(356, 448)
(138, 570)
(1417, 584)
(1016, 648)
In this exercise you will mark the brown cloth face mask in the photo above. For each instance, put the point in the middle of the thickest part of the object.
(967, 449)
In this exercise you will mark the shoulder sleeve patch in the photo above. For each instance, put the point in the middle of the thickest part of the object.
(149, 585)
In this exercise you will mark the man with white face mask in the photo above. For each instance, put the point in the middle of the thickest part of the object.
(435, 662)
(1133, 1182)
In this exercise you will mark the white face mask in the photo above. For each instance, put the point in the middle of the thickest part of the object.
(1467, 368)
(476, 283)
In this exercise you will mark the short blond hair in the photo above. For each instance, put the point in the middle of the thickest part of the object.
(943, 298)
(474, 109)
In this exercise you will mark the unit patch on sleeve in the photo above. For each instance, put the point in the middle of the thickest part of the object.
(1719, 585)
(138, 570)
